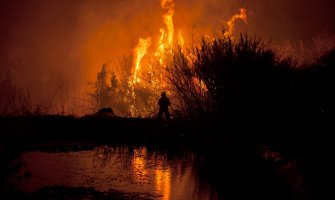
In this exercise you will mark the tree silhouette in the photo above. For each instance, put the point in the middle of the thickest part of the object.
(103, 91)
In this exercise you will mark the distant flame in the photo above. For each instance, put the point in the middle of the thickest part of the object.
(231, 22)
(165, 42)
(139, 53)
(166, 4)
(200, 85)
(168, 19)
(181, 41)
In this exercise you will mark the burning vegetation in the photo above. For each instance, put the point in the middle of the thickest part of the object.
(216, 74)
(153, 63)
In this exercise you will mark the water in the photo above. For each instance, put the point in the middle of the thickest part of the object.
(123, 169)
(220, 172)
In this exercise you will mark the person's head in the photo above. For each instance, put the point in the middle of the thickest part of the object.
(163, 94)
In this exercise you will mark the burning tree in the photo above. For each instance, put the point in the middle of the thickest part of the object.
(155, 69)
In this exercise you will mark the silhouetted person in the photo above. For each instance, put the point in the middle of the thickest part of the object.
(164, 104)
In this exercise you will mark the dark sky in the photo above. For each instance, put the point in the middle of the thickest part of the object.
(45, 43)
(292, 19)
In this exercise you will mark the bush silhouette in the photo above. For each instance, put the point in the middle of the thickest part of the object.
(245, 79)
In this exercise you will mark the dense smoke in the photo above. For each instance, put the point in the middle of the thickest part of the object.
(55, 48)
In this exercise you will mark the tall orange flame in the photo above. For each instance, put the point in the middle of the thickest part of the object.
(165, 42)
(139, 53)
(231, 22)
(166, 3)
(169, 25)
(181, 41)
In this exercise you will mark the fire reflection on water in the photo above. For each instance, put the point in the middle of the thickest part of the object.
(161, 174)
(139, 169)
(163, 183)
(121, 168)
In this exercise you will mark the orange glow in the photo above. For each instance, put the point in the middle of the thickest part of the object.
(166, 38)
(163, 182)
(231, 22)
(139, 52)
(139, 165)
(181, 41)
(166, 3)
(169, 25)
(146, 74)
(162, 177)
(200, 85)
(153, 70)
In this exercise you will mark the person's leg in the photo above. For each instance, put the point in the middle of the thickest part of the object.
(167, 114)
(160, 113)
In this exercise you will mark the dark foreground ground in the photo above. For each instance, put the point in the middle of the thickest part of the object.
(265, 145)
(257, 129)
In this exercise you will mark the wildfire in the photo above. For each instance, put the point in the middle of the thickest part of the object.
(167, 34)
(153, 69)
(167, 3)
(200, 85)
(181, 41)
(139, 53)
(168, 19)
(165, 45)
(231, 22)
